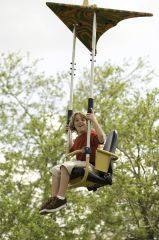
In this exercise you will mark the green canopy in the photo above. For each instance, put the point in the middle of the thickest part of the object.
(83, 16)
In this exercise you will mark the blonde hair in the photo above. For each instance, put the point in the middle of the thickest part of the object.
(71, 124)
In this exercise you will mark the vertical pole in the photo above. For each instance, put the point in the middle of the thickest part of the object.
(93, 53)
(72, 68)
(90, 100)
(72, 73)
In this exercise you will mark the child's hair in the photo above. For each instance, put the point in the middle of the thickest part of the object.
(71, 124)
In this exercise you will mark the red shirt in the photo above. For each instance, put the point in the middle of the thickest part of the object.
(81, 142)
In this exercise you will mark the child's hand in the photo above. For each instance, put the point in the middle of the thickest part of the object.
(83, 150)
(67, 128)
(93, 6)
(91, 116)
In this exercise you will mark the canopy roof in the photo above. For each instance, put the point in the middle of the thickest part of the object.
(83, 16)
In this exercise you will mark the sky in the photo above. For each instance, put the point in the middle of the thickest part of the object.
(29, 26)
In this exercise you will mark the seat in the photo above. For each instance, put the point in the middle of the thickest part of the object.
(103, 167)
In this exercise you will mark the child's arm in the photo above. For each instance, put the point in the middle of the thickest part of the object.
(97, 127)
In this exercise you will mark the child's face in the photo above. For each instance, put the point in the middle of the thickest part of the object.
(80, 124)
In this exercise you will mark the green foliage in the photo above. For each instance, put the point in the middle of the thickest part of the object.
(32, 140)
(123, 102)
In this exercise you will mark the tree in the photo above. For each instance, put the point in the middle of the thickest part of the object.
(32, 139)
(131, 203)
(31, 142)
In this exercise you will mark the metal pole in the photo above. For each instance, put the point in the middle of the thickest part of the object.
(72, 73)
(93, 54)
(72, 68)
(90, 100)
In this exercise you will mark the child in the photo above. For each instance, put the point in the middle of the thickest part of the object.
(61, 173)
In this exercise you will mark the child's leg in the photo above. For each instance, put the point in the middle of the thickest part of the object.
(56, 174)
(55, 185)
(59, 187)
(64, 181)
(60, 180)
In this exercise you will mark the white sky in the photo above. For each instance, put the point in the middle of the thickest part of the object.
(30, 26)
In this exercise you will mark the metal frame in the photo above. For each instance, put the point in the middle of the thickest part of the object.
(90, 105)
(72, 73)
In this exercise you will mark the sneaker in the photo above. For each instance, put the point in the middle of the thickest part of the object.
(43, 209)
(56, 205)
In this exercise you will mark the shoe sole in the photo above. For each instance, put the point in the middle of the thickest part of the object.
(56, 209)
(43, 211)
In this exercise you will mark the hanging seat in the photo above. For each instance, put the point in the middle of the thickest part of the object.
(103, 167)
